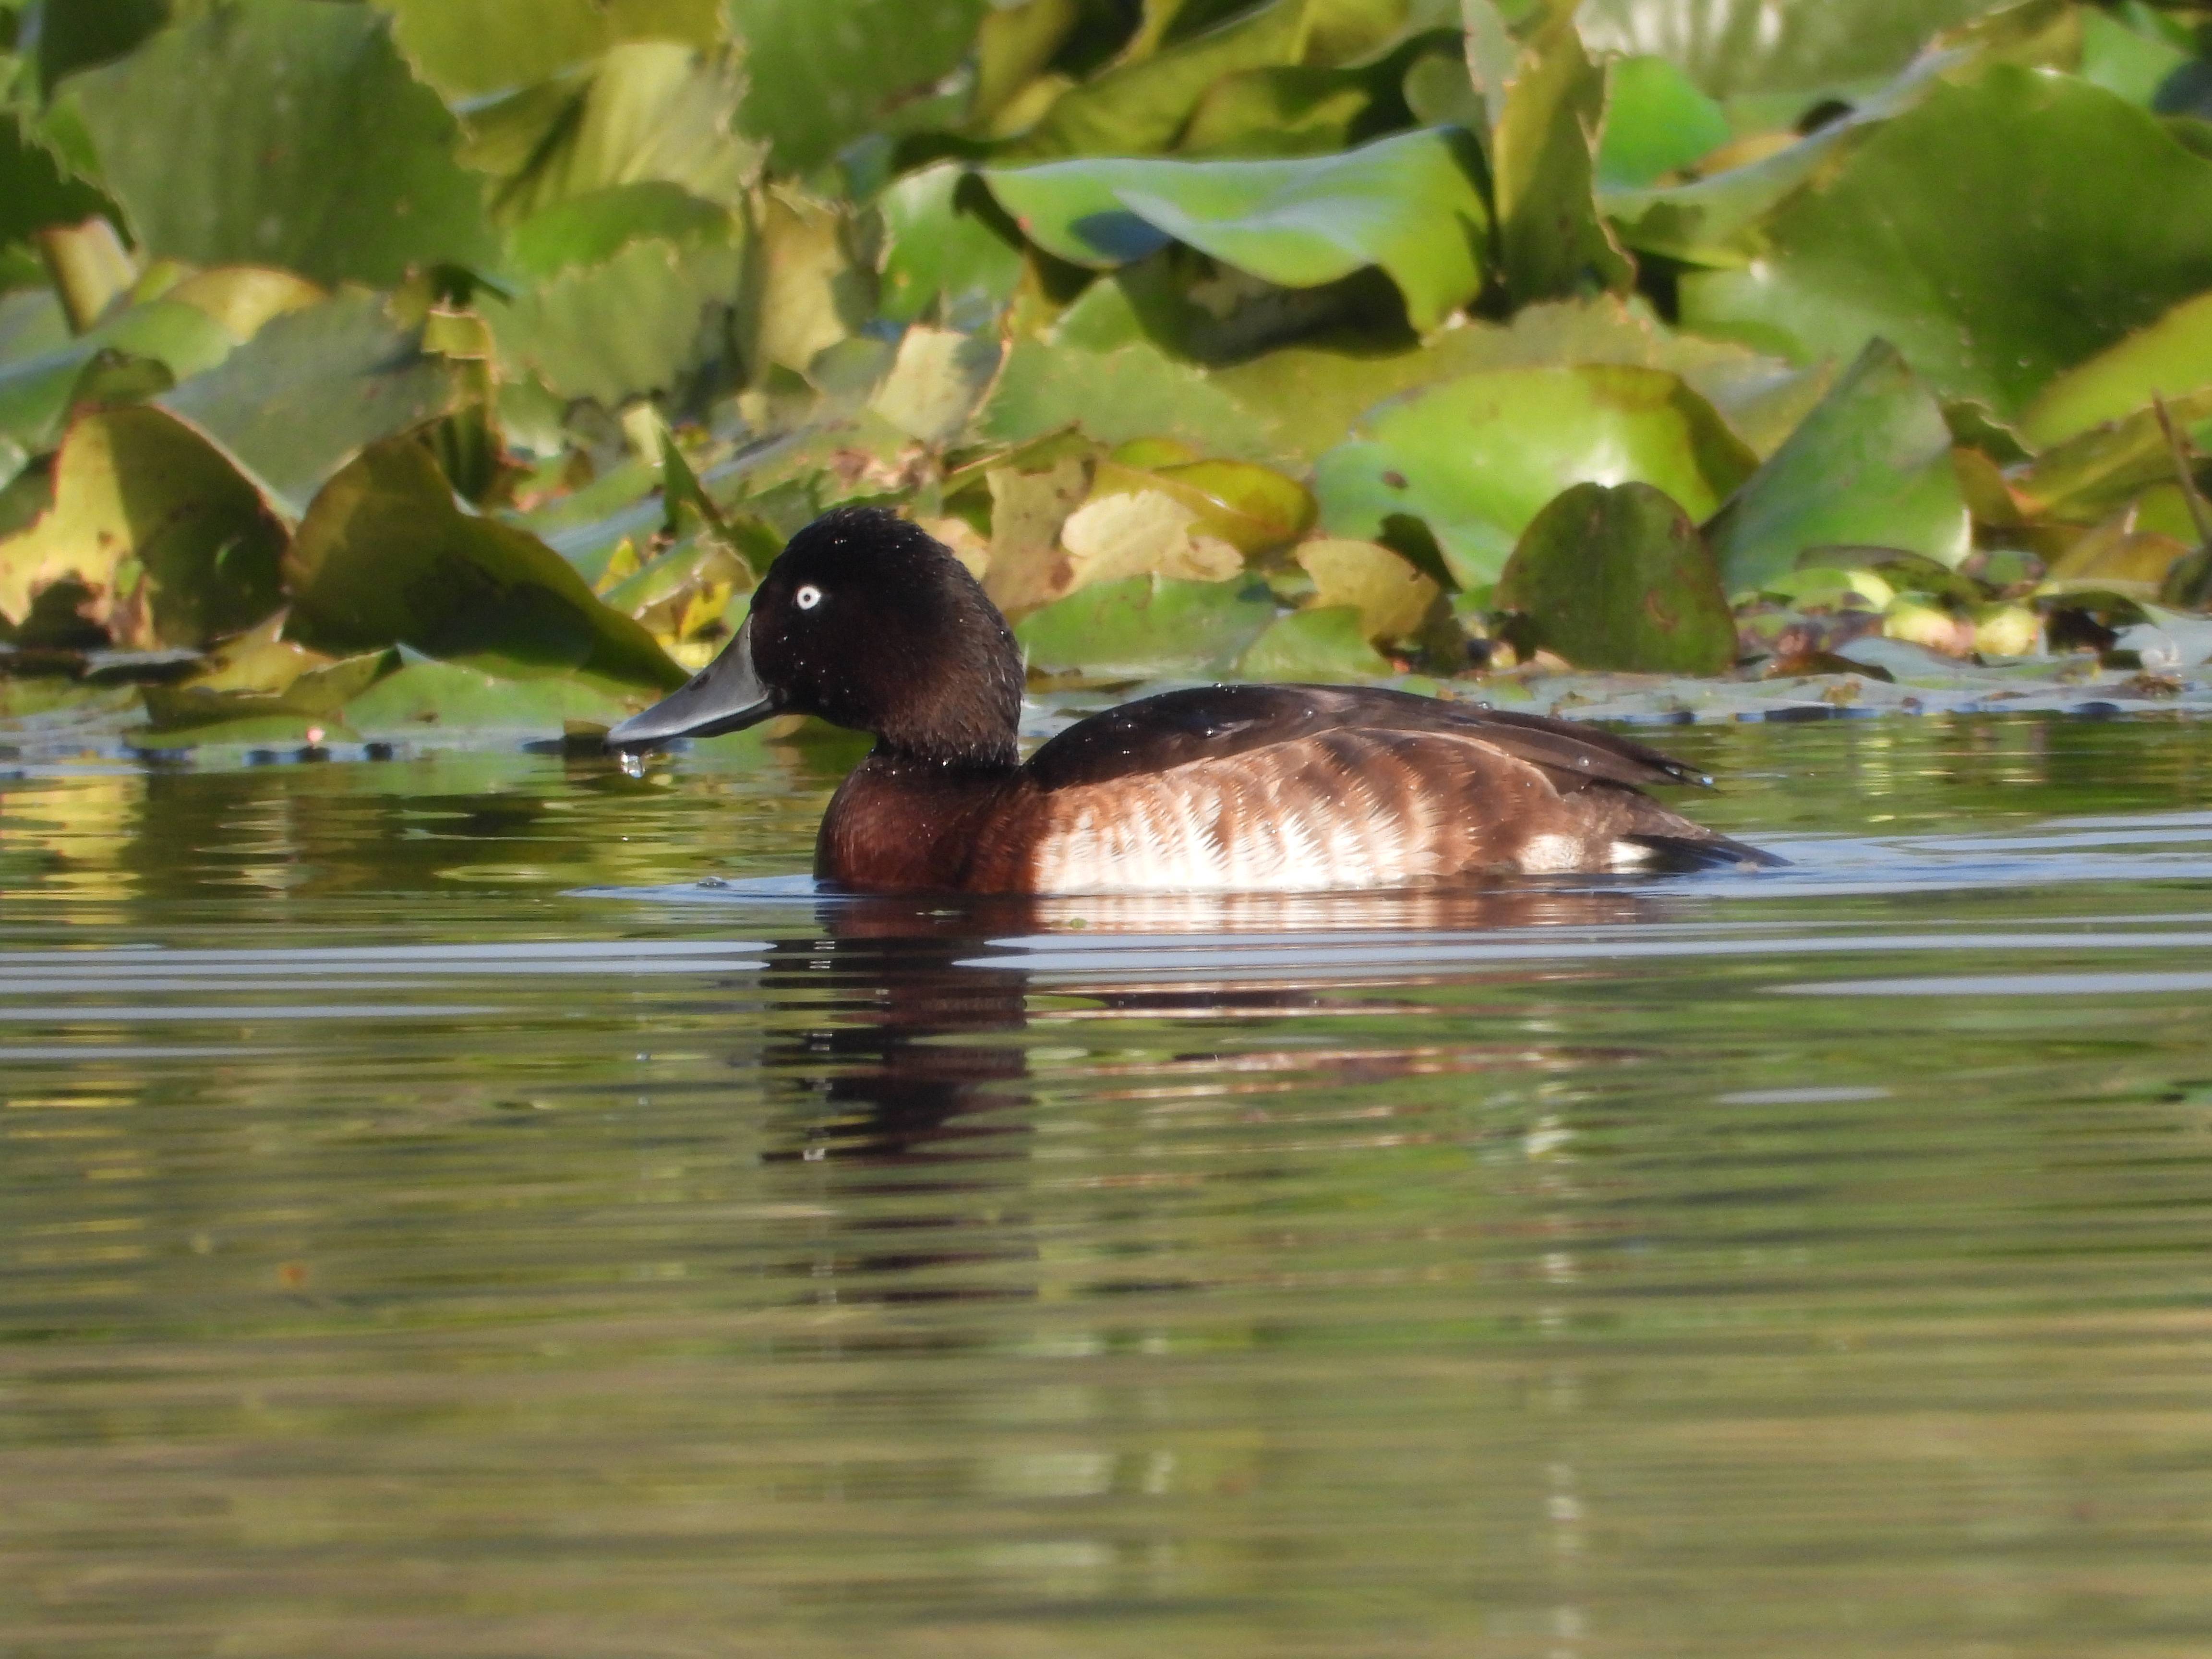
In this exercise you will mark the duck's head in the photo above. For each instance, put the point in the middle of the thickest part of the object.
(869, 621)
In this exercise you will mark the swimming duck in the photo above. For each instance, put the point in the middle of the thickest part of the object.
(868, 622)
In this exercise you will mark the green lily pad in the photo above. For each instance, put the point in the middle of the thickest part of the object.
(384, 556)
(1657, 122)
(1733, 47)
(1141, 104)
(1552, 239)
(591, 229)
(36, 391)
(1313, 393)
(1324, 643)
(2098, 473)
(1998, 232)
(822, 72)
(311, 390)
(1870, 467)
(1406, 204)
(424, 698)
(1620, 578)
(1477, 457)
(1146, 625)
(319, 692)
(628, 325)
(648, 111)
(939, 251)
(466, 48)
(178, 547)
(2171, 357)
(36, 189)
(1136, 391)
(283, 132)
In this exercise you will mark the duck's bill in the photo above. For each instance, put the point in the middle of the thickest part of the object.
(725, 696)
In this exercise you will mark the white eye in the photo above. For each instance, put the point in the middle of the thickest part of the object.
(808, 597)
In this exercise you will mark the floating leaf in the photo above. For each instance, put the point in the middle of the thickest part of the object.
(938, 250)
(812, 293)
(318, 689)
(1250, 507)
(619, 329)
(1871, 466)
(592, 228)
(1027, 507)
(2098, 471)
(2171, 356)
(1475, 459)
(936, 381)
(36, 392)
(1135, 392)
(822, 72)
(1922, 237)
(1313, 393)
(648, 112)
(1137, 107)
(1406, 204)
(179, 549)
(469, 47)
(425, 698)
(1141, 533)
(310, 390)
(1729, 46)
(1147, 625)
(1325, 644)
(1551, 240)
(384, 556)
(1657, 122)
(283, 132)
(1619, 578)
(1393, 599)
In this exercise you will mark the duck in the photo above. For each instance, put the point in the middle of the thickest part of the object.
(869, 622)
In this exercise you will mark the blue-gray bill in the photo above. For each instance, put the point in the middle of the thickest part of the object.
(725, 696)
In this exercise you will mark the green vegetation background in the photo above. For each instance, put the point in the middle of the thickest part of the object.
(367, 364)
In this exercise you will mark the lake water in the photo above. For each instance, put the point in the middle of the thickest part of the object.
(435, 1224)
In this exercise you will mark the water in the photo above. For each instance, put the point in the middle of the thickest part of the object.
(437, 1226)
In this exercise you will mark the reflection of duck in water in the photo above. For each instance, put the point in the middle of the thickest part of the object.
(868, 622)
(912, 1015)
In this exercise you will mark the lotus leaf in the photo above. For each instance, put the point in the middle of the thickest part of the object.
(1619, 578)
(1551, 240)
(1731, 46)
(1870, 467)
(176, 547)
(622, 328)
(1147, 625)
(1322, 643)
(283, 132)
(822, 72)
(384, 556)
(1393, 600)
(939, 251)
(2171, 356)
(648, 111)
(1406, 204)
(2003, 230)
(468, 47)
(1139, 107)
(1657, 122)
(302, 399)
(1475, 459)
(1114, 396)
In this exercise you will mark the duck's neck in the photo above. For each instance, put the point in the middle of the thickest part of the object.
(903, 822)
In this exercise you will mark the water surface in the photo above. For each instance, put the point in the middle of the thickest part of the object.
(484, 1205)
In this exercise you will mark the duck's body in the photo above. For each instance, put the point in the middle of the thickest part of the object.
(1219, 789)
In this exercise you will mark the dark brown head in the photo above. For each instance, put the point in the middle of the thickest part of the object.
(868, 622)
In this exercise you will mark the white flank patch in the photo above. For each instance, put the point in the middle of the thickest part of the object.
(1549, 854)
